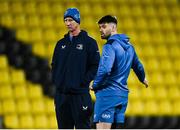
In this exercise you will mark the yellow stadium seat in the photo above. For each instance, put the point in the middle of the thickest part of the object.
(30, 7)
(159, 2)
(33, 21)
(137, 108)
(170, 78)
(147, 94)
(99, 10)
(57, 8)
(50, 49)
(128, 23)
(52, 122)
(23, 106)
(174, 92)
(148, 51)
(124, 11)
(135, 93)
(4, 7)
(156, 78)
(163, 12)
(11, 121)
(165, 108)
(26, 121)
(49, 104)
(17, 76)
(154, 24)
(89, 23)
(86, 9)
(157, 41)
(163, 51)
(41, 121)
(39, 49)
(175, 107)
(16, 7)
(59, 23)
(161, 93)
(71, 4)
(5, 77)
(165, 65)
(175, 11)
(149, 11)
(166, 25)
(23, 34)
(111, 9)
(150, 108)
(174, 52)
(20, 91)
(136, 10)
(34, 91)
(144, 37)
(38, 106)
(43, 8)
(176, 64)
(132, 80)
(141, 24)
(19, 21)
(50, 35)
(6, 92)
(35, 35)
(171, 38)
(152, 65)
(46, 22)
(4, 62)
(9, 106)
(7, 20)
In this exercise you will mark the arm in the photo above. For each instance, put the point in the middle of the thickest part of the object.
(93, 61)
(105, 66)
(139, 69)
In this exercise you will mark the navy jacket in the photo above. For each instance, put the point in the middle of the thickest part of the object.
(74, 64)
(118, 57)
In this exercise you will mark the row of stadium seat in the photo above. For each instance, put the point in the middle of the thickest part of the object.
(153, 26)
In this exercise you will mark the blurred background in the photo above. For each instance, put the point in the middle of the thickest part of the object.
(29, 30)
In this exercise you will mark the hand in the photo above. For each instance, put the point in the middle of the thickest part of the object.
(145, 82)
(90, 86)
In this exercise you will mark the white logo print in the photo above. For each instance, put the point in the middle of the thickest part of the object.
(79, 46)
(84, 108)
(63, 46)
(106, 116)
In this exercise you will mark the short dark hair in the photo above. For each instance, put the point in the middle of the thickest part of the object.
(108, 19)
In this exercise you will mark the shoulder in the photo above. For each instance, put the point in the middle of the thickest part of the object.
(110, 42)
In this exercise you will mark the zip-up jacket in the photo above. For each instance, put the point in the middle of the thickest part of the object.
(118, 57)
(75, 63)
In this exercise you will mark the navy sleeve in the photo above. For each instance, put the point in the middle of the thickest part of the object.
(138, 68)
(53, 63)
(105, 65)
(93, 61)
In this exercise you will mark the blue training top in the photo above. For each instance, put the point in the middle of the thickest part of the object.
(118, 57)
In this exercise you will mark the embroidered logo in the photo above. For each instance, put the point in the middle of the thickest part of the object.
(79, 46)
(84, 108)
(63, 46)
(106, 116)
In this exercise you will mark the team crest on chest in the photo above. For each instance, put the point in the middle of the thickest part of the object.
(79, 46)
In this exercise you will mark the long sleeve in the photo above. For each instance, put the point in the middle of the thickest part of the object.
(138, 68)
(93, 61)
(105, 65)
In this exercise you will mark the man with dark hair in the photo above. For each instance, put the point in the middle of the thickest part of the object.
(74, 66)
(110, 83)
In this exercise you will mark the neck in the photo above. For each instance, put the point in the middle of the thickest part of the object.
(114, 32)
(75, 32)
